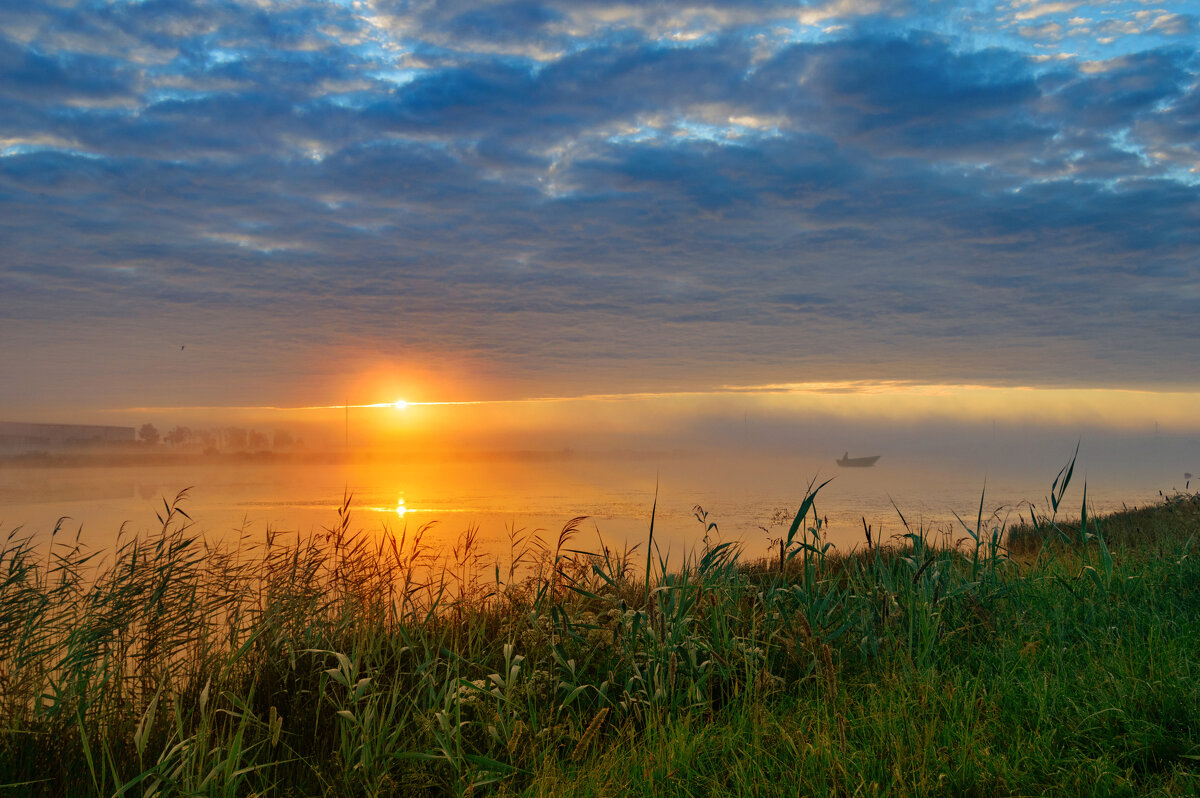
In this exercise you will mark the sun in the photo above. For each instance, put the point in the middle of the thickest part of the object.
(400, 404)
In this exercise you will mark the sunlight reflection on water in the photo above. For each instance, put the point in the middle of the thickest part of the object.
(741, 495)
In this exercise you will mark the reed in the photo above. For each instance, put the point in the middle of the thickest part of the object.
(348, 662)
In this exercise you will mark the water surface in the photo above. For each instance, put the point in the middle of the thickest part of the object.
(744, 494)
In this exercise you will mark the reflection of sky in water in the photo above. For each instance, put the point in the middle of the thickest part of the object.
(740, 493)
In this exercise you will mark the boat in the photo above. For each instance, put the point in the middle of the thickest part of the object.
(857, 462)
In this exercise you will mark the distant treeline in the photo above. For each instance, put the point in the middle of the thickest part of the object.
(221, 439)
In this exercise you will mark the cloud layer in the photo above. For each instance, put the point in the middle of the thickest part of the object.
(546, 198)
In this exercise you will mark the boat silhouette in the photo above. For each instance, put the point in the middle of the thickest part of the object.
(857, 462)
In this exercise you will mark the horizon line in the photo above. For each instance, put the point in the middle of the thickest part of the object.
(843, 387)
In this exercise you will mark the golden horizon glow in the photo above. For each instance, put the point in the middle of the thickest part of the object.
(834, 388)
(899, 401)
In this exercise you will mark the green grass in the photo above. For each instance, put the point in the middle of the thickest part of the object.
(1057, 687)
(1053, 658)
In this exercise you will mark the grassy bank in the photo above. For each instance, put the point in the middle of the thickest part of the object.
(1053, 658)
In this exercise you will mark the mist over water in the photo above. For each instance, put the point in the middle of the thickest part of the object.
(742, 474)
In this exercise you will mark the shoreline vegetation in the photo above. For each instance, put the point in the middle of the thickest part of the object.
(1056, 656)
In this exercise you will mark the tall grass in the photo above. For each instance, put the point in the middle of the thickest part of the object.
(366, 663)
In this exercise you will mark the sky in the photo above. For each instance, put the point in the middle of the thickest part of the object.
(318, 202)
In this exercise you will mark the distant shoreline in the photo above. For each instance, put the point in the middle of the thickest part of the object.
(126, 458)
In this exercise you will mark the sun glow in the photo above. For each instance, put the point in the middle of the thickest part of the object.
(897, 401)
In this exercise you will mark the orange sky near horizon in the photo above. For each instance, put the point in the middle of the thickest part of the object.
(457, 418)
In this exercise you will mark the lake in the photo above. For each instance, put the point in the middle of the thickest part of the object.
(741, 492)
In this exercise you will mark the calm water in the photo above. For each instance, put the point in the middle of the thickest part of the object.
(741, 493)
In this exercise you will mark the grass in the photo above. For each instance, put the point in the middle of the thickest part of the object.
(1056, 657)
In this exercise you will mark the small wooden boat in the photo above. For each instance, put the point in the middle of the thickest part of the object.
(857, 462)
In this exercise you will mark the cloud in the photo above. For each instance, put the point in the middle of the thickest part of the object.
(70, 78)
(1174, 24)
(1033, 10)
(1115, 92)
(605, 196)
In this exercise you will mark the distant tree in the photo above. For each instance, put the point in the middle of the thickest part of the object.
(178, 436)
(235, 438)
(257, 441)
(148, 434)
(283, 439)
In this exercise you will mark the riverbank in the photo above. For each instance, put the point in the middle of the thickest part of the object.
(1073, 673)
(348, 663)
